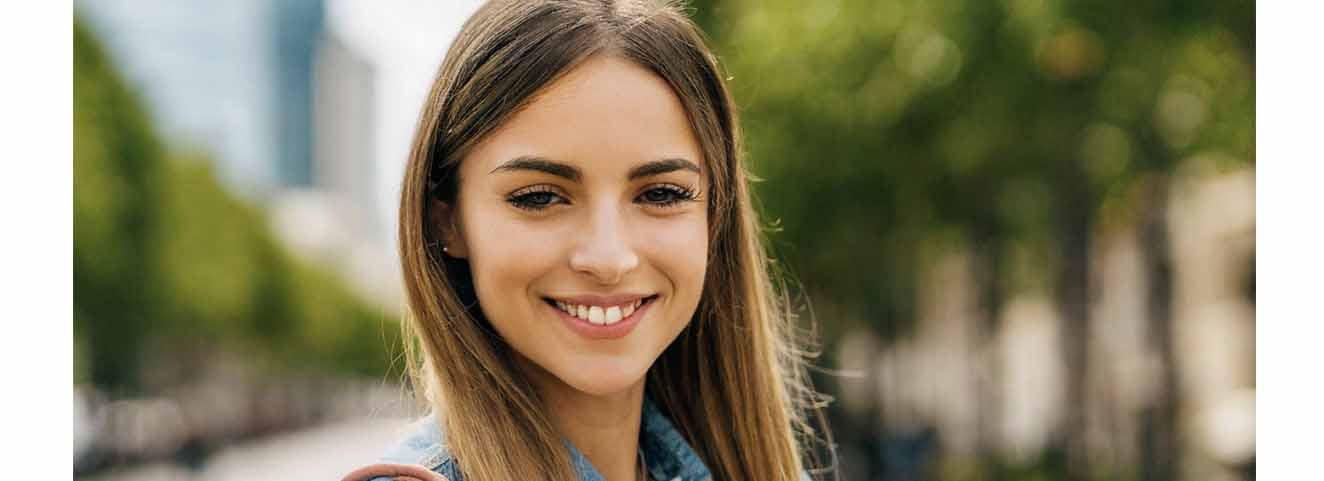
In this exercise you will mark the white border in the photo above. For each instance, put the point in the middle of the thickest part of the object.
(36, 257)
(1290, 194)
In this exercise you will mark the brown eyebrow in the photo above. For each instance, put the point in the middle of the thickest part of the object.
(573, 173)
(663, 166)
(541, 165)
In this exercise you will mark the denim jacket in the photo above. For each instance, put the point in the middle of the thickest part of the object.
(666, 453)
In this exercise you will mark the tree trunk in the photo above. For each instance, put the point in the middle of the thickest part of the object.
(989, 294)
(1072, 297)
(1159, 450)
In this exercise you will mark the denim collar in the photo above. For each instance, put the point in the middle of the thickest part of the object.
(666, 453)
(668, 456)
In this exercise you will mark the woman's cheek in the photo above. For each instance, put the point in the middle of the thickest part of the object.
(680, 245)
(504, 231)
(507, 254)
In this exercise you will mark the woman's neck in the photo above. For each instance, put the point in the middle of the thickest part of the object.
(605, 428)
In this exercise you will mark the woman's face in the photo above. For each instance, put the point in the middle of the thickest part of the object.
(591, 201)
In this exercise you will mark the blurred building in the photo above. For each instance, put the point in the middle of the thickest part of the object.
(230, 78)
(306, 106)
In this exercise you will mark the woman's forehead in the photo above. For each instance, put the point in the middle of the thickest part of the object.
(606, 114)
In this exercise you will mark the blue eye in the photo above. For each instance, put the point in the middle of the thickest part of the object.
(666, 195)
(537, 197)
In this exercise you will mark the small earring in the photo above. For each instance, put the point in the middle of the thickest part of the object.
(445, 249)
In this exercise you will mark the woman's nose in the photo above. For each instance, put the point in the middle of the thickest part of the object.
(604, 251)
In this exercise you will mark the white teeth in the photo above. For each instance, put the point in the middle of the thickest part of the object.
(600, 315)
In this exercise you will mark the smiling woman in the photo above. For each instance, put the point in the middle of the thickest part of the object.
(584, 269)
(599, 231)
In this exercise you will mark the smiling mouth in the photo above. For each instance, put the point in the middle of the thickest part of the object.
(600, 315)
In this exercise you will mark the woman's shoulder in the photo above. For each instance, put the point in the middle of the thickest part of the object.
(425, 446)
(670, 456)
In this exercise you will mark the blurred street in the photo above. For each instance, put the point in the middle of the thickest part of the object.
(319, 453)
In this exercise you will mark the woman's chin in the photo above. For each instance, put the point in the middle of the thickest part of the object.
(604, 380)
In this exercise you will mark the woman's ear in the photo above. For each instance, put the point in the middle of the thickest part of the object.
(445, 219)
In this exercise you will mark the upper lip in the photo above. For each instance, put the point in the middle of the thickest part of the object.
(600, 300)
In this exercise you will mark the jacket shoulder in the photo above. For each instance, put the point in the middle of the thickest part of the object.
(425, 445)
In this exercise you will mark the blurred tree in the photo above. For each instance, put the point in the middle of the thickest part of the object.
(117, 171)
(165, 258)
(1016, 128)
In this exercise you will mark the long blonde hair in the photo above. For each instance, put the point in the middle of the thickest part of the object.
(733, 382)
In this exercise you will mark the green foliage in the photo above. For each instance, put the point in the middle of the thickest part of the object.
(164, 256)
(878, 123)
(116, 171)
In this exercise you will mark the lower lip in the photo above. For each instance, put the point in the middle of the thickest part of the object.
(608, 331)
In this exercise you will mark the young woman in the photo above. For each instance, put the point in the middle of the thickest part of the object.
(586, 280)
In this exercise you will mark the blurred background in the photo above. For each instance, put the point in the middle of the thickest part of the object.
(1025, 228)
